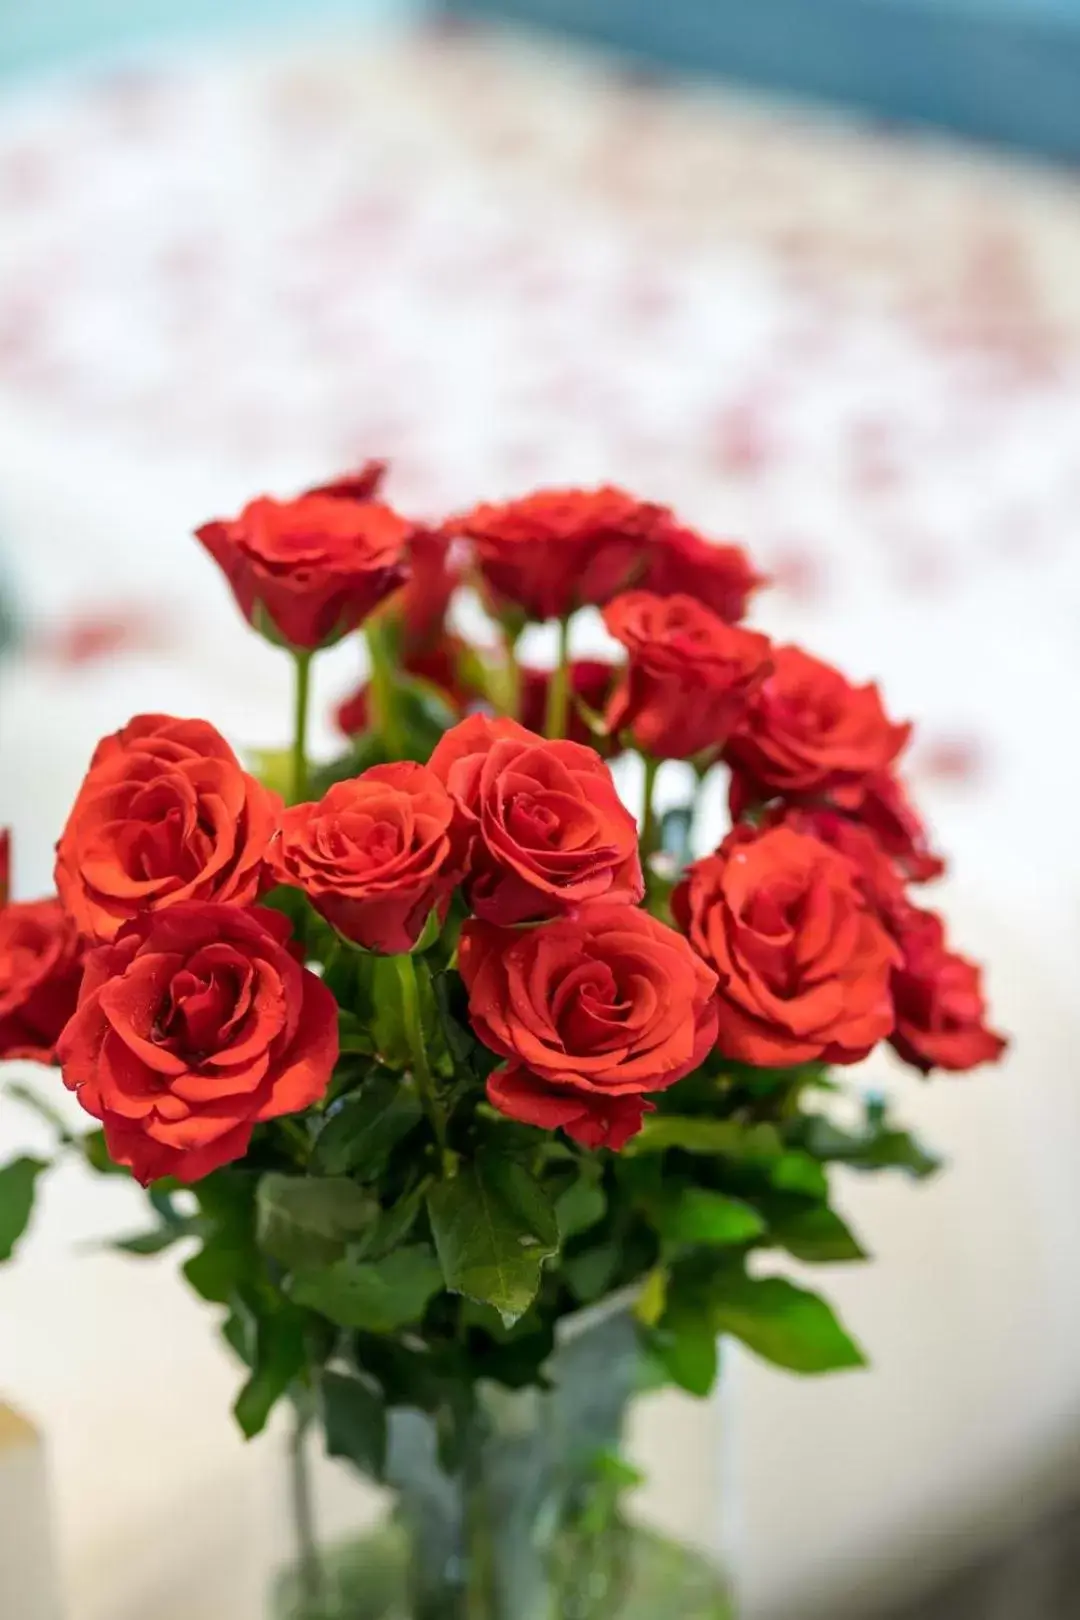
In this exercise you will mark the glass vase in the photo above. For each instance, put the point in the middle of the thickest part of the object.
(525, 1521)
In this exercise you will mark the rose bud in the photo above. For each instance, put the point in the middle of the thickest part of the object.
(193, 1026)
(308, 571)
(689, 678)
(549, 829)
(591, 1012)
(377, 855)
(803, 963)
(164, 815)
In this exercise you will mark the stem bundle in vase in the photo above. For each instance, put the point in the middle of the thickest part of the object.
(474, 1100)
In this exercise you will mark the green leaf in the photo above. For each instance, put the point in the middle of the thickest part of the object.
(652, 1301)
(354, 1416)
(217, 1270)
(724, 1137)
(582, 1204)
(783, 1324)
(471, 1059)
(685, 1345)
(880, 1146)
(279, 1357)
(697, 1215)
(17, 1183)
(155, 1241)
(377, 1296)
(797, 1172)
(390, 1227)
(588, 1275)
(362, 1130)
(493, 1228)
(308, 1221)
(816, 1235)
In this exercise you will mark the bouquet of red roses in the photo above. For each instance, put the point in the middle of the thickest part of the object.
(428, 1048)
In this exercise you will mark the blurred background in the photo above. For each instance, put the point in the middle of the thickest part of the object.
(746, 257)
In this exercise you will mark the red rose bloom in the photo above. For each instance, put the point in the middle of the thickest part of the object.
(164, 815)
(591, 680)
(880, 803)
(689, 678)
(682, 563)
(940, 1008)
(191, 1027)
(550, 831)
(310, 569)
(376, 855)
(808, 730)
(558, 550)
(40, 970)
(591, 1012)
(877, 876)
(803, 963)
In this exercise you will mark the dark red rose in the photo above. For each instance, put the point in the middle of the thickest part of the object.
(376, 855)
(308, 571)
(940, 1007)
(558, 550)
(422, 603)
(591, 681)
(720, 577)
(880, 803)
(550, 831)
(689, 678)
(591, 1012)
(164, 815)
(803, 964)
(192, 1026)
(40, 969)
(809, 731)
(362, 485)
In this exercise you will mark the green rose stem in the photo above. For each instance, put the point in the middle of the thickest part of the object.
(299, 775)
(309, 1566)
(383, 693)
(648, 812)
(558, 693)
(425, 1084)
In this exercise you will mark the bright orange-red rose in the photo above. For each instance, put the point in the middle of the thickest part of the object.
(558, 550)
(689, 678)
(40, 969)
(940, 1007)
(720, 577)
(591, 681)
(164, 815)
(803, 963)
(591, 1012)
(194, 1025)
(308, 571)
(877, 876)
(376, 855)
(549, 829)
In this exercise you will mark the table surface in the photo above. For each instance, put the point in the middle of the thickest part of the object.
(243, 270)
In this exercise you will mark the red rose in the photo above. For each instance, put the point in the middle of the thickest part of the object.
(940, 1008)
(803, 963)
(558, 550)
(191, 1027)
(880, 803)
(310, 569)
(40, 970)
(422, 603)
(591, 680)
(164, 815)
(550, 829)
(376, 855)
(591, 1012)
(877, 876)
(808, 730)
(682, 563)
(689, 678)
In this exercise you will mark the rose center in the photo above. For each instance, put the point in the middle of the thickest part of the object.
(533, 823)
